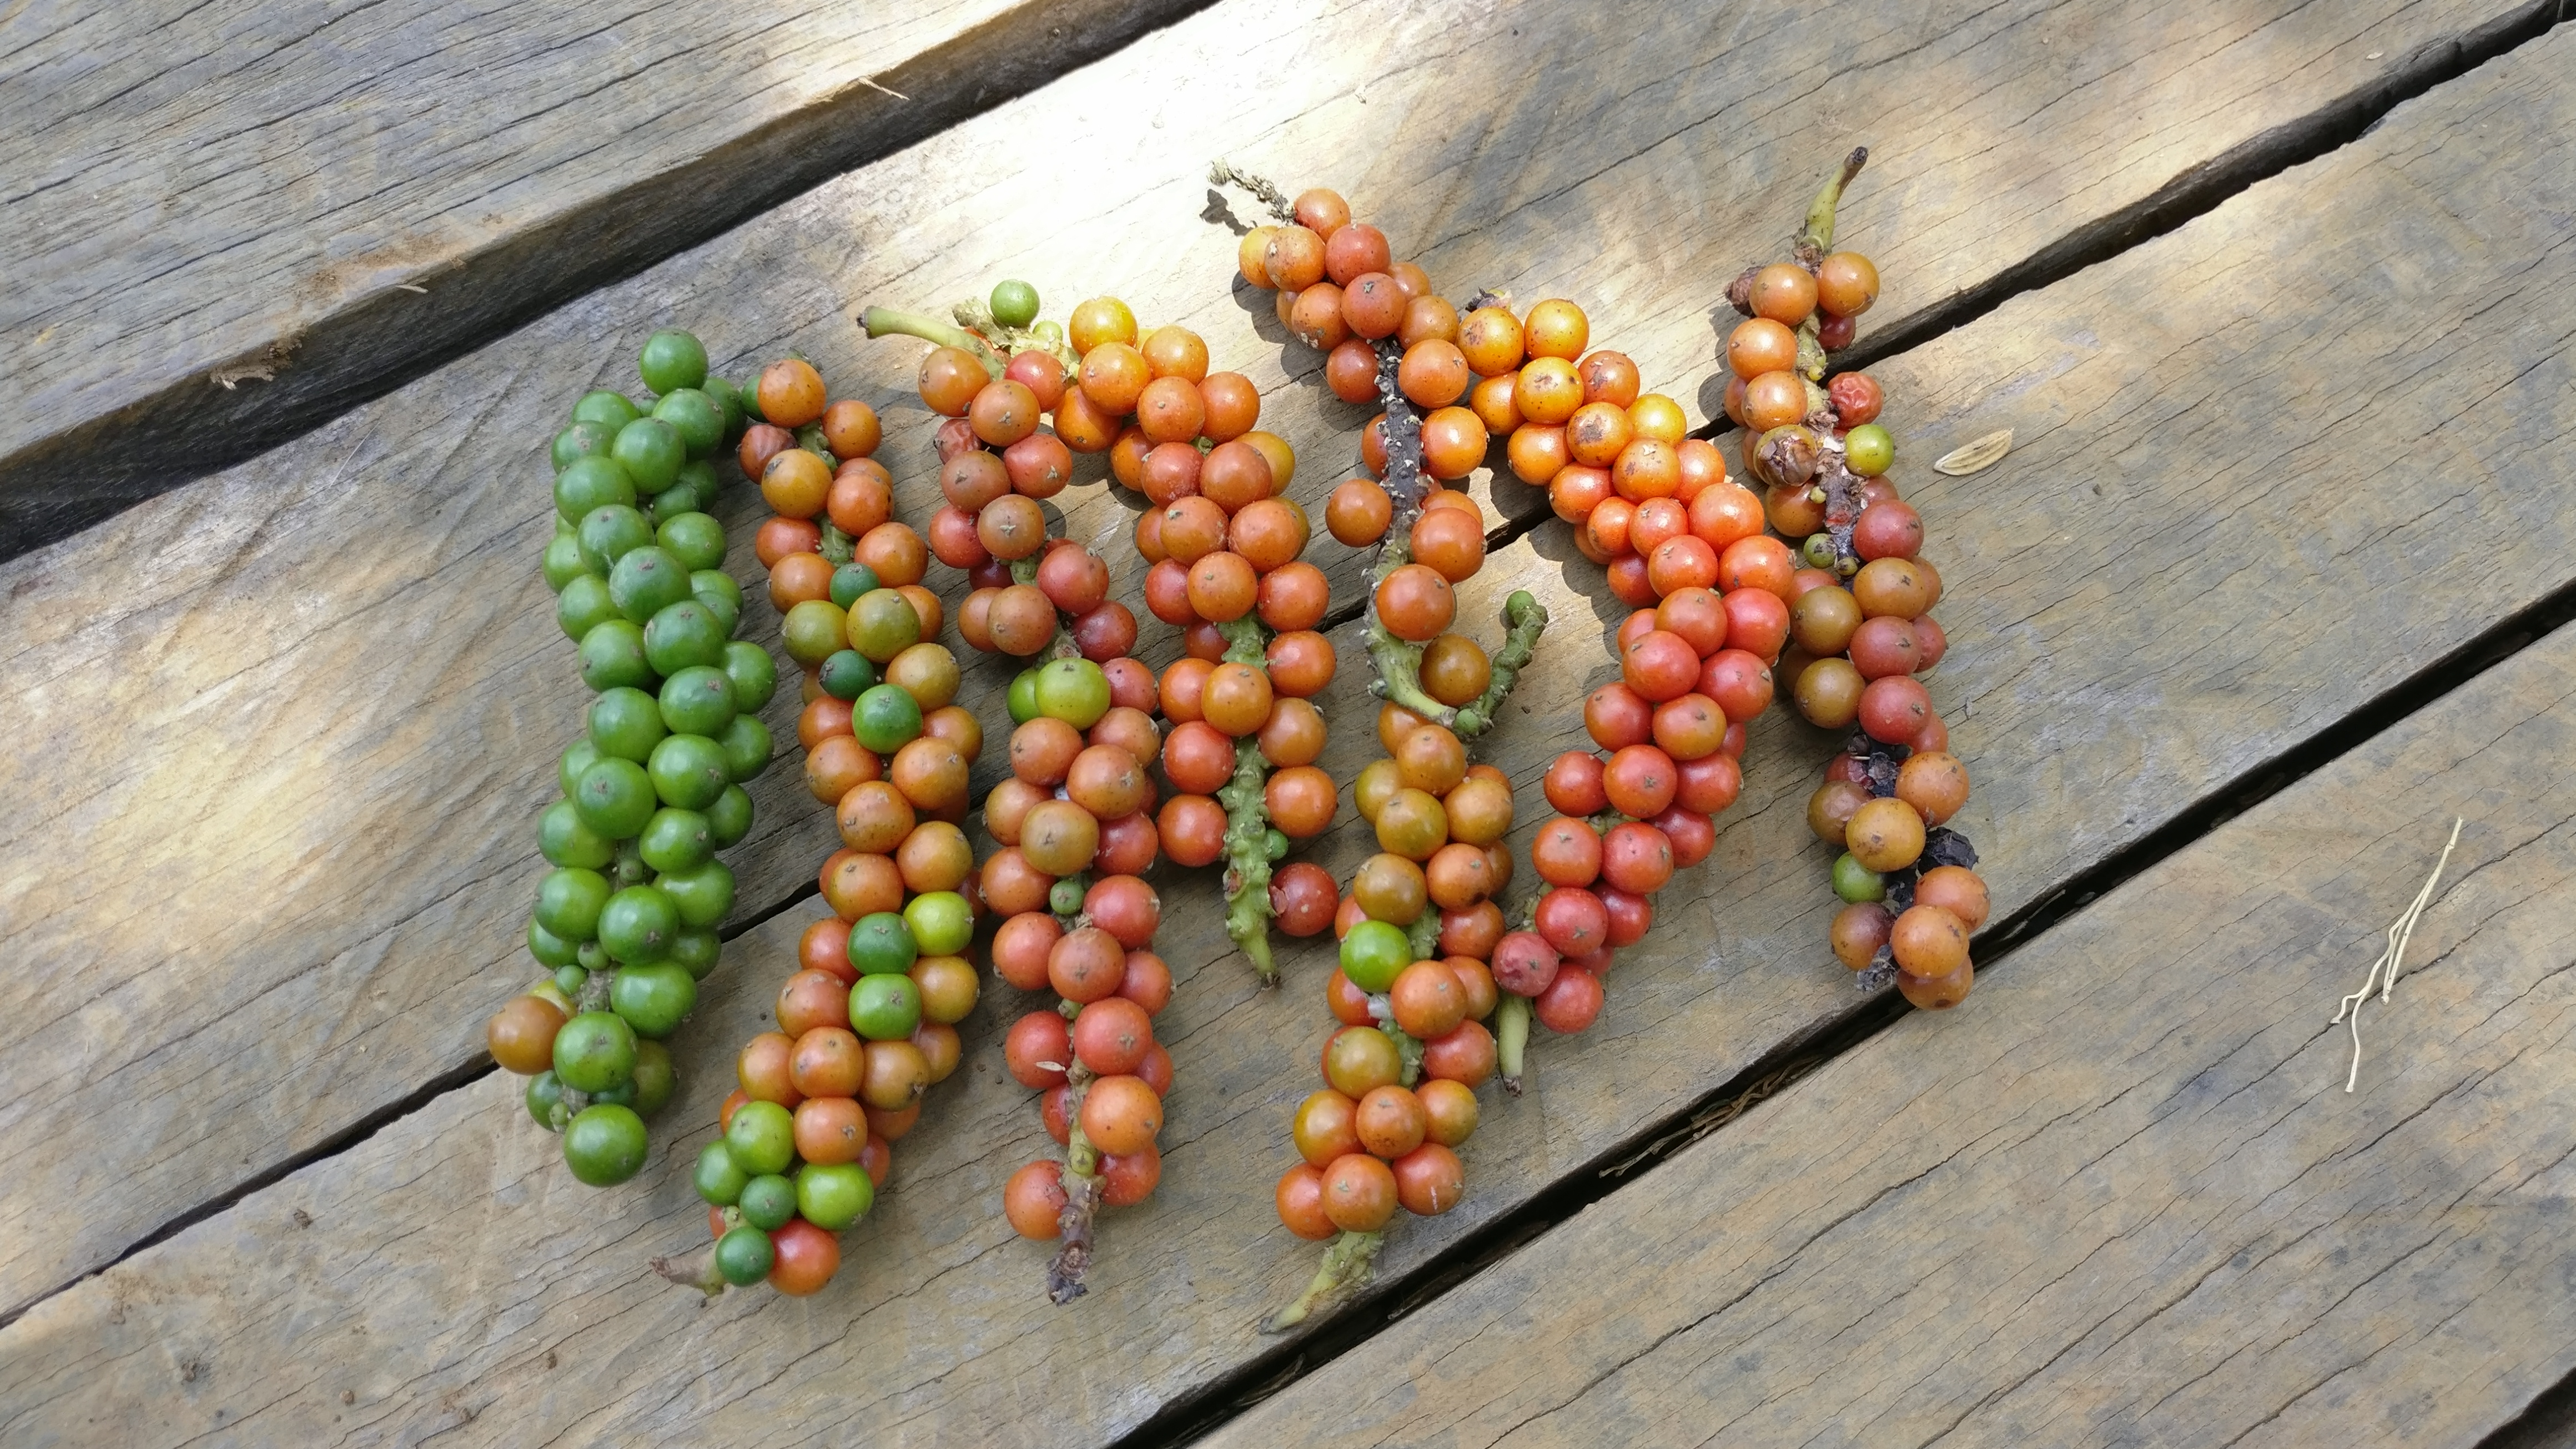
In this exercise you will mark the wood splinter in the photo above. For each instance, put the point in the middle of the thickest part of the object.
(2383, 972)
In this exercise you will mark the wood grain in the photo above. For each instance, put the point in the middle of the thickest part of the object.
(2128, 1202)
(229, 221)
(317, 202)
(452, 1280)
(340, 652)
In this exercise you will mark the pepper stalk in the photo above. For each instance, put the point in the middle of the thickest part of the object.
(1345, 1270)
(1248, 837)
(1511, 1039)
(1817, 237)
(1221, 174)
(1081, 1196)
(1814, 241)
(1841, 489)
(974, 332)
(1349, 1262)
(1398, 662)
(1524, 619)
(698, 1269)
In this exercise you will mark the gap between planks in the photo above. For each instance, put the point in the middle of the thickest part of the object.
(514, 281)
(1188, 1419)
(454, 1079)
(2170, 207)
(2547, 1422)
(189, 428)
(2550, 1423)
(2176, 204)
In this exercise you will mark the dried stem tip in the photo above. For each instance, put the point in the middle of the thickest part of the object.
(1222, 174)
(1345, 1271)
(1819, 233)
(697, 1270)
(1081, 1199)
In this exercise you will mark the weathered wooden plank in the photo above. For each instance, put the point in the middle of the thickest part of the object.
(2130, 1203)
(228, 221)
(417, 519)
(451, 1246)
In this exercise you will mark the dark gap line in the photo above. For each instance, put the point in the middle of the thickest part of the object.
(1194, 1415)
(341, 1141)
(2172, 206)
(456, 1078)
(2209, 185)
(771, 912)
(189, 429)
(2547, 1422)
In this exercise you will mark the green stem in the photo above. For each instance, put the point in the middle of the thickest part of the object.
(1511, 1039)
(1524, 619)
(1811, 365)
(1408, 1048)
(1048, 337)
(1812, 243)
(1247, 820)
(1344, 1272)
(1399, 675)
(887, 322)
(1819, 233)
(592, 997)
(1397, 663)
(1246, 642)
(837, 547)
(1424, 936)
(1247, 854)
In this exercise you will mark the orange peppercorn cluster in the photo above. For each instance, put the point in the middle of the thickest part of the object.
(1078, 821)
(1411, 992)
(1222, 541)
(866, 1022)
(1860, 622)
(1682, 544)
(1225, 548)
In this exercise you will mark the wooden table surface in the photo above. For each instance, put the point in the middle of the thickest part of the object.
(2279, 301)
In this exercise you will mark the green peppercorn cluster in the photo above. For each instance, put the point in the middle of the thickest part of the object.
(626, 918)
